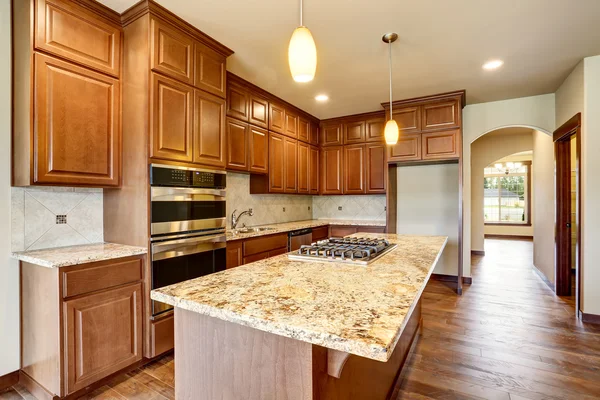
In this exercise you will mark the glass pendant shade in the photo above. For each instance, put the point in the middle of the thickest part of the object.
(391, 132)
(302, 55)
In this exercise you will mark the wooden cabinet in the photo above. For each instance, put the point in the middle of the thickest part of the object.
(102, 334)
(408, 148)
(67, 30)
(354, 169)
(440, 145)
(345, 230)
(263, 247)
(313, 170)
(172, 118)
(277, 121)
(408, 119)
(374, 129)
(303, 168)
(376, 178)
(276, 163)
(440, 115)
(258, 148)
(331, 135)
(303, 129)
(171, 51)
(314, 134)
(258, 111)
(209, 130)
(237, 101)
(331, 170)
(237, 144)
(291, 124)
(354, 132)
(320, 233)
(209, 70)
(290, 169)
(234, 254)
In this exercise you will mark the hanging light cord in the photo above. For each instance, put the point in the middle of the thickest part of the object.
(301, 21)
(390, 46)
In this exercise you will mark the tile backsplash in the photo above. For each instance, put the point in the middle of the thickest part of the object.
(268, 208)
(52, 217)
(370, 207)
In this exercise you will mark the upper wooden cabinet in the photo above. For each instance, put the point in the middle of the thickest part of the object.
(290, 165)
(408, 119)
(258, 150)
(331, 134)
(209, 70)
(291, 124)
(209, 129)
(374, 129)
(314, 133)
(68, 30)
(354, 132)
(303, 129)
(237, 144)
(276, 163)
(172, 51)
(354, 169)
(277, 121)
(237, 101)
(408, 148)
(440, 145)
(303, 168)
(331, 170)
(376, 178)
(440, 115)
(313, 170)
(172, 119)
(258, 111)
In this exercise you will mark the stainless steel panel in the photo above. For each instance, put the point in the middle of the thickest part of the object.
(159, 193)
(187, 246)
(158, 228)
(214, 171)
(362, 261)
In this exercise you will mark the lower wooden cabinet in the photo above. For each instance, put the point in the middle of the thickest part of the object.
(244, 251)
(345, 230)
(234, 254)
(320, 233)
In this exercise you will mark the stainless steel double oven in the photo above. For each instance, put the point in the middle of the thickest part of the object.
(188, 220)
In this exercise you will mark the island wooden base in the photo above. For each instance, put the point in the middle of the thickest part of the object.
(215, 359)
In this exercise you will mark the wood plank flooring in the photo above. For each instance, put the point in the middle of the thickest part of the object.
(507, 338)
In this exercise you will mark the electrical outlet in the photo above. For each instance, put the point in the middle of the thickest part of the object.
(339, 208)
(384, 208)
(308, 208)
(283, 209)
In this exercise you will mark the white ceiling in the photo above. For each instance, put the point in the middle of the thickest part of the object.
(442, 45)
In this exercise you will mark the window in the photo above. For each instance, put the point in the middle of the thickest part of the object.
(506, 196)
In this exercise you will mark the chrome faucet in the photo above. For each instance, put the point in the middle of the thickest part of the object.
(236, 218)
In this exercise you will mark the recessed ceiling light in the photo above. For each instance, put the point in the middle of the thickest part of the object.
(321, 97)
(494, 64)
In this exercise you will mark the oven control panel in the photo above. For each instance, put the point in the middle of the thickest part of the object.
(162, 175)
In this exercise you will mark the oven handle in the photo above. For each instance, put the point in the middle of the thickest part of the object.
(186, 194)
(184, 247)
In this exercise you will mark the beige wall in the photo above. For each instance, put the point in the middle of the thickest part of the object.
(478, 119)
(428, 205)
(543, 218)
(485, 151)
(9, 269)
(569, 96)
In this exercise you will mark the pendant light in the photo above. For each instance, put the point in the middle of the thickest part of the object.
(391, 127)
(302, 53)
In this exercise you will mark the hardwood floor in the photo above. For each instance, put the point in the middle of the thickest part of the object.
(508, 337)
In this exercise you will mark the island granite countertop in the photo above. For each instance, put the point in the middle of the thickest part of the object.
(360, 310)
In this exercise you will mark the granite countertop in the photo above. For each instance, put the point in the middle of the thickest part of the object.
(310, 223)
(74, 255)
(356, 309)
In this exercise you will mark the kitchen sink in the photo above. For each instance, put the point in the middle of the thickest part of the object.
(250, 230)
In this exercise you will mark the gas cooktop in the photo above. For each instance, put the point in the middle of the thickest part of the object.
(353, 250)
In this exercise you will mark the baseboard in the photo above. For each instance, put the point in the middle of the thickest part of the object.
(37, 390)
(478, 252)
(467, 280)
(590, 318)
(9, 380)
(508, 237)
(544, 278)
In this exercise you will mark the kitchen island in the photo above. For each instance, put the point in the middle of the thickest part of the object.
(279, 328)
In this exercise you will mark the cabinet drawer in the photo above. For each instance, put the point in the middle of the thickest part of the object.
(371, 229)
(278, 252)
(440, 145)
(263, 244)
(162, 335)
(320, 233)
(341, 231)
(101, 275)
(256, 257)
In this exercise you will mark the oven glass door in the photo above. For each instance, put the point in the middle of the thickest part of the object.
(177, 261)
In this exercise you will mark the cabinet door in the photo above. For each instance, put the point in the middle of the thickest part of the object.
(259, 150)
(171, 51)
(313, 166)
(172, 118)
(209, 70)
(237, 101)
(234, 254)
(303, 129)
(354, 132)
(276, 118)
(291, 124)
(259, 111)
(331, 170)
(77, 128)
(408, 119)
(314, 133)
(67, 30)
(374, 130)
(331, 135)
(276, 160)
(341, 231)
(237, 145)
(291, 165)
(354, 169)
(209, 129)
(442, 115)
(376, 168)
(441, 145)
(103, 334)
(408, 148)
(303, 168)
